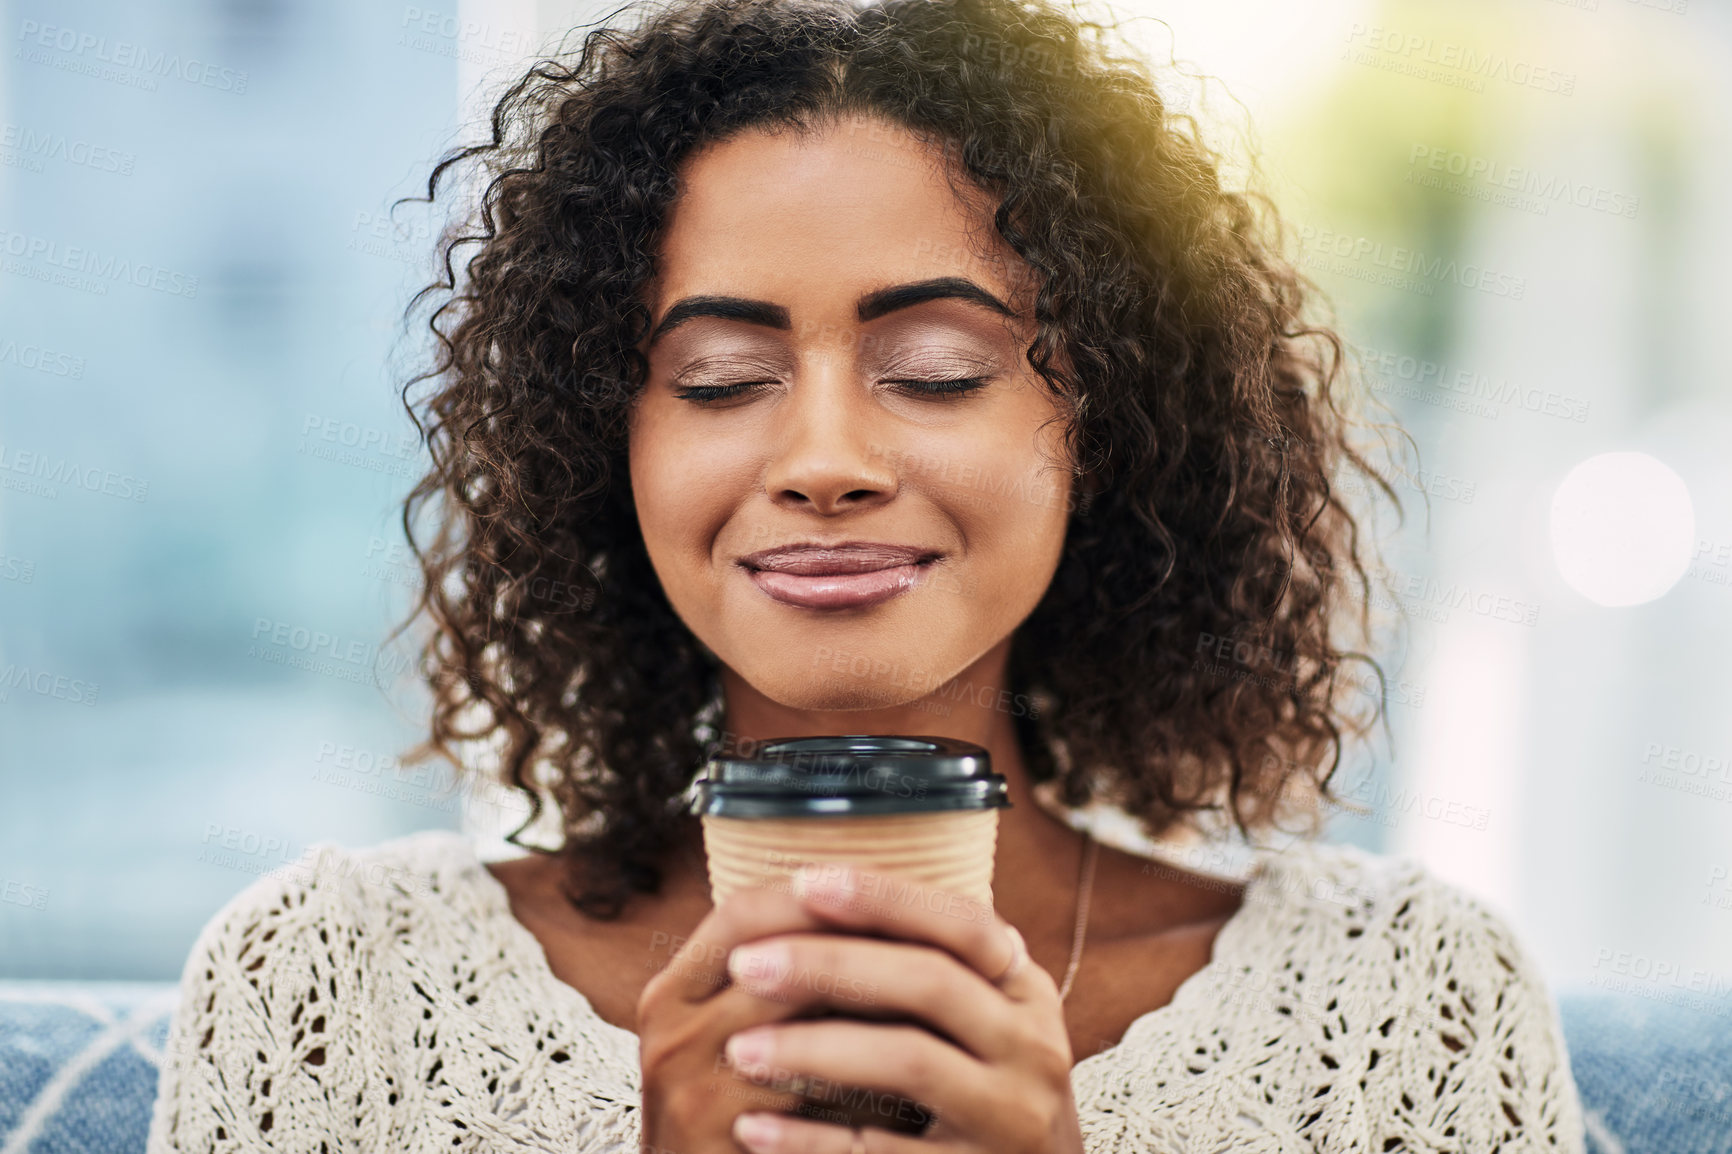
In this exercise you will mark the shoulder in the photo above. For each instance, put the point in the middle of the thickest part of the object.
(383, 999)
(1403, 966)
(288, 989)
(333, 890)
(1432, 928)
(333, 908)
(1387, 920)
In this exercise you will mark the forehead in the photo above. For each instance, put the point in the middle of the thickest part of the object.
(800, 217)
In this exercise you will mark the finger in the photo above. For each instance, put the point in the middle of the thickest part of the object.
(700, 1030)
(845, 1056)
(785, 1134)
(873, 977)
(899, 906)
(698, 967)
(766, 1089)
(737, 1008)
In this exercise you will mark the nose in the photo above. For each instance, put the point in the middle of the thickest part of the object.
(829, 458)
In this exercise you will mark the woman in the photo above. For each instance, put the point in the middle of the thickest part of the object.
(904, 368)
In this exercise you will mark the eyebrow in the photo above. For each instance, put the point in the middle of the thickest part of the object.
(869, 307)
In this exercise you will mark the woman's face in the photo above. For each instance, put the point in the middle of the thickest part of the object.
(850, 483)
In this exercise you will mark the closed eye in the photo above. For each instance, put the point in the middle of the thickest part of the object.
(704, 394)
(950, 386)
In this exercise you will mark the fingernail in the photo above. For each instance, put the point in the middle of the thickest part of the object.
(758, 1131)
(764, 963)
(750, 1048)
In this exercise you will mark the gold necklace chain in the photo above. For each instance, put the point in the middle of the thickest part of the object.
(1084, 889)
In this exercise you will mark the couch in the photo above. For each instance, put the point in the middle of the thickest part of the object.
(78, 1065)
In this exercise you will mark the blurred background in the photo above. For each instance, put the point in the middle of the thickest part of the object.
(1517, 208)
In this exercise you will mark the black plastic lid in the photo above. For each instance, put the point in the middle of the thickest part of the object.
(850, 775)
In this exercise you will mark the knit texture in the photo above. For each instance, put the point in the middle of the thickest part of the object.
(387, 1000)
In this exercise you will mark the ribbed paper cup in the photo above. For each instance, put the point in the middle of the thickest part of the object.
(950, 852)
(918, 815)
(922, 808)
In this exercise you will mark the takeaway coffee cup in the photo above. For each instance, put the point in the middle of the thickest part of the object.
(924, 808)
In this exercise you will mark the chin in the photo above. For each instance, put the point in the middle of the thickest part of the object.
(840, 678)
(834, 692)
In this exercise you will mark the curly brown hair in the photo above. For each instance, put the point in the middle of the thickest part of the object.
(1185, 653)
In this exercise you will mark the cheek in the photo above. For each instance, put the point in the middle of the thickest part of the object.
(1020, 531)
(1008, 490)
(684, 486)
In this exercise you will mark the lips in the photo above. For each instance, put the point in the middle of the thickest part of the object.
(851, 575)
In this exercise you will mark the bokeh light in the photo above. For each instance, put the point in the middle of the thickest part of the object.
(1622, 526)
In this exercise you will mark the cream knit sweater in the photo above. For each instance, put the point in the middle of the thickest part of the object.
(386, 1000)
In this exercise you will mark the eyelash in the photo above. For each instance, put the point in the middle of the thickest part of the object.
(950, 386)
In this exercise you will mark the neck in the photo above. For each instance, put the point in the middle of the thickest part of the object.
(1035, 868)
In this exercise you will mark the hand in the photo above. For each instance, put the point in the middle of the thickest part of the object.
(690, 1095)
(990, 1058)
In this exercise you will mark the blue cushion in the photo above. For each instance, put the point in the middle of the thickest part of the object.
(78, 1065)
(1653, 1076)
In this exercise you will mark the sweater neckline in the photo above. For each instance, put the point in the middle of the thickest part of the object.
(576, 1004)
